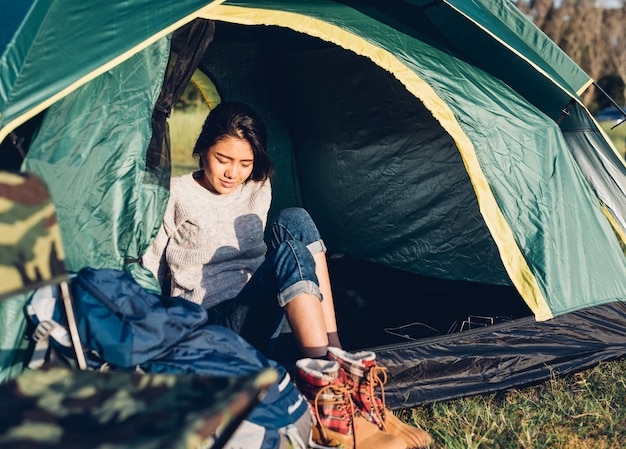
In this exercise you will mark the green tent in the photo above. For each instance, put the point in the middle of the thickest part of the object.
(442, 148)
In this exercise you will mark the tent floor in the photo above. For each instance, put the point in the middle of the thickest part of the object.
(379, 306)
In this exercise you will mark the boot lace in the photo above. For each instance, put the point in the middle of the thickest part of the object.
(377, 376)
(340, 398)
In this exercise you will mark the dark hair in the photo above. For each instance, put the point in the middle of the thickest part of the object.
(241, 121)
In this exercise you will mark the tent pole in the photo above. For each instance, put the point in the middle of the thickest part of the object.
(71, 324)
(613, 102)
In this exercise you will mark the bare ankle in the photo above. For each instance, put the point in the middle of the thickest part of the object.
(317, 352)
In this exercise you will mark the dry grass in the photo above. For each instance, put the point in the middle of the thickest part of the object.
(184, 129)
(585, 410)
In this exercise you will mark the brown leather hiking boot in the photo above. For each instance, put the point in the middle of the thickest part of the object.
(360, 368)
(338, 423)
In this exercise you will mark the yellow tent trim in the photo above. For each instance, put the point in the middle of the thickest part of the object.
(616, 227)
(513, 260)
(584, 87)
(100, 70)
(207, 89)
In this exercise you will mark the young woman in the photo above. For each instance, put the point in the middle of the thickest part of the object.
(212, 241)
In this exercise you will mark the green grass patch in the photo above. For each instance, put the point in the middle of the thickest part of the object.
(584, 410)
(617, 135)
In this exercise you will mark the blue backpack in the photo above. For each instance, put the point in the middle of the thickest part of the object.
(125, 327)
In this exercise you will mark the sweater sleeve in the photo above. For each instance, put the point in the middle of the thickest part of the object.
(154, 258)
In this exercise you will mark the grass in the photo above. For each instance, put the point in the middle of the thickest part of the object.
(582, 411)
(184, 129)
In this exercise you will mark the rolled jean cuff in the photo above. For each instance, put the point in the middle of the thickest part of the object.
(303, 286)
(317, 247)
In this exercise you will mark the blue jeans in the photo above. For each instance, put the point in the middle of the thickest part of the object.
(288, 270)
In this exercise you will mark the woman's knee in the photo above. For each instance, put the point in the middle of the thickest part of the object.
(294, 223)
(294, 217)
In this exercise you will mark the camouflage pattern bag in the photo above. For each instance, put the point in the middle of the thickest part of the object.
(63, 407)
(31, 252)
(31, 255)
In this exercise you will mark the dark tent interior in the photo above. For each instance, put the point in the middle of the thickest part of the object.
(409, 253)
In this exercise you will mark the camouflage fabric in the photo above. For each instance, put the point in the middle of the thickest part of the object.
(59, 407)
(31, 253)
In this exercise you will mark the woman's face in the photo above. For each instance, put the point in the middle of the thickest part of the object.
(227, 165)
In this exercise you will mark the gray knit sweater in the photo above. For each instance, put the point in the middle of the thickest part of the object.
(211, 243)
